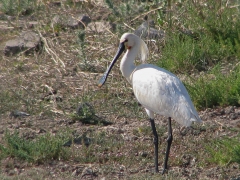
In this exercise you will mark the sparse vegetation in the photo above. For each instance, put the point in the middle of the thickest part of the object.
(216, 88)
(110, 137)
(41, 150)
(224, 151)
(19, 7)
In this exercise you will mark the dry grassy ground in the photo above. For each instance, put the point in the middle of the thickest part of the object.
(27, 83)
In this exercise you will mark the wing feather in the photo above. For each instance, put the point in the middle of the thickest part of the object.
(162, 92)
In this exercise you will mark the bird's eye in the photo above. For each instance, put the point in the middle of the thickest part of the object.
(126, 40)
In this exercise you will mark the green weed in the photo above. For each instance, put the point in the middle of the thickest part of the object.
(126, 10)
(102, 148)
(216, 89)
(13, 7)
(40, 150)
(183, 54)
(224, 151)
(214, 28)
(200, 39)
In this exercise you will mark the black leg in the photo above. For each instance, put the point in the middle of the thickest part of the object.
(155, 141)
(169, 142)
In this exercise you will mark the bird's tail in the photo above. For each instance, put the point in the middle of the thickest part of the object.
(186, 114)
(196, 118)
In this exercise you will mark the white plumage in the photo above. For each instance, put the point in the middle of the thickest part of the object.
(162, 92)
(158, 90)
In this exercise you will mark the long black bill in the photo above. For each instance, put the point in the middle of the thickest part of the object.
(121, 48)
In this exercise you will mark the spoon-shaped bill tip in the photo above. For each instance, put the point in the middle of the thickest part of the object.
(100, 85)
(103, 79)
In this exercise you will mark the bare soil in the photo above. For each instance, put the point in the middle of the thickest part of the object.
(30, 79)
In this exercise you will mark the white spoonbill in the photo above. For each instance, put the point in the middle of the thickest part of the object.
(158, 90)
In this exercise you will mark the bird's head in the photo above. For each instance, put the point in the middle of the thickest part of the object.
(129, 40)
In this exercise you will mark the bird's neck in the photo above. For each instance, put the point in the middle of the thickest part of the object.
(127, 65)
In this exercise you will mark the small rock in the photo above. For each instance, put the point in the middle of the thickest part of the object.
(27, 41)
(233, 116)
(42, 131)
(144, 154)
(100, 27)
(74, 173)
(48, 95)
(229, 110)
(59, 98)
(135, 138)
(122, 168)
(14, 46)
(222, 112)
(79, 21)
(32, 24)
(88, 171)
(64, 167)
(18, 114)
(55, 3)
(120, 131)
(193, 161)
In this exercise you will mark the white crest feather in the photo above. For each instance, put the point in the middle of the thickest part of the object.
(143, 51)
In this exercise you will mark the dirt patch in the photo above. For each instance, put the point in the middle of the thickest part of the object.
(50, 84)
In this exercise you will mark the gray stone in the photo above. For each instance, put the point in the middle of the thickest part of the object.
(233, 116)
(19, 114)
(100, 27)
(79, 21)
(27, 41)
(32, 24)
(229, 110)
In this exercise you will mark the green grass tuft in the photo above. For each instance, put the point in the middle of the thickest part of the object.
(224, 151)
(13, 7)
(216, 89)
(43, 148)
